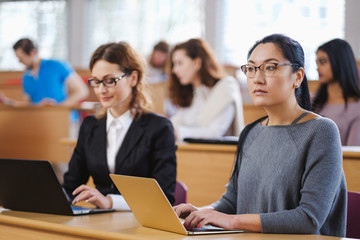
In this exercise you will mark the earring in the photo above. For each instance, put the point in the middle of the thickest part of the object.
(297, 85)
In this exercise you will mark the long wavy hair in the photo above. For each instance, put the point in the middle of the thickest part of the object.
(128, 60)
(210, 71)
(344, 69)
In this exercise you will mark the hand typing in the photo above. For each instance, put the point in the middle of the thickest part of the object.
(93, 196)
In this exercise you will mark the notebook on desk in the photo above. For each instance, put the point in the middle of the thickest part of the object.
(227, 140)
(152, 209)
(32, 186)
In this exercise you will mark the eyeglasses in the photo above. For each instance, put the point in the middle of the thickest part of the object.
(267, 68)
(107, 82)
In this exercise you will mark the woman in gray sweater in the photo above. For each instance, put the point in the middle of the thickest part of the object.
(288, 175)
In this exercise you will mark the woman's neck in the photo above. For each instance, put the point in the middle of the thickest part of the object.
(120, 109)
(283, 114)
(117, 112)
(335, 95)
(196, 82)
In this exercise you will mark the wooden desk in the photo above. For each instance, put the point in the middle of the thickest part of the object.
(351, 165)
(10, 84)
(34, 132)
(117, 225)
(205, 169)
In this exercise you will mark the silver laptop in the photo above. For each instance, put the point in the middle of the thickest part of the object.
(151, 207)
(32, 186)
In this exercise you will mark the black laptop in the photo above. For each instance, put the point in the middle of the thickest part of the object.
(32, 186)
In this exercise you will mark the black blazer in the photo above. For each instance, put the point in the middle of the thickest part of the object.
(148, 150)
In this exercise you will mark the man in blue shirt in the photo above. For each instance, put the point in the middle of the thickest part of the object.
(46, 82)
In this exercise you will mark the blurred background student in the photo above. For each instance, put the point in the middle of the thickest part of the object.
(46, 81)
(155, 72)
(209, 102)
(124, 137)
(157, 79)
(338, 95)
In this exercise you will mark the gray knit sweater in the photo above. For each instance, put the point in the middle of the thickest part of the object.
(293, 177)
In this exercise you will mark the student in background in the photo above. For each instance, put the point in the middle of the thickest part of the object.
(288, 175)
(338, 96)
(123, 138)
(156, 77)
(209, 102)
(46, 81)
(155, 72)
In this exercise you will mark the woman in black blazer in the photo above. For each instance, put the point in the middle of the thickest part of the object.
(124, 137)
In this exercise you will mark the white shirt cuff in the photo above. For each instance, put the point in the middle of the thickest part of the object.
(119, 202)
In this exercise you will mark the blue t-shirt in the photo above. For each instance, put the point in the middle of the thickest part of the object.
(50, 82)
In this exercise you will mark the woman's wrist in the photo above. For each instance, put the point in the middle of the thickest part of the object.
(109, 198)
(250, 222)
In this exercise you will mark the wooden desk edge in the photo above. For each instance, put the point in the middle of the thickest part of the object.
(74, 231)
(62, 229)
(351, 154)
(181, 146)
(219, 148)
(351, 151)
(68, 141)
(206, 147)
(46, 108)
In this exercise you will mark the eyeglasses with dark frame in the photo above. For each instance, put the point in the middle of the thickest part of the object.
(267, 68)
(107, 82)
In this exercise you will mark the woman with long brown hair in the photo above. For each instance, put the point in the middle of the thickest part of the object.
(209, 102)
(338, 96)
(124, 138)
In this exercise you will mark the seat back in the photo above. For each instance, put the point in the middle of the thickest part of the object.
(353, 215)
(180, 193)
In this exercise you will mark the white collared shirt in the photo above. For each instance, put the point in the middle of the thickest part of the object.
(116, 129)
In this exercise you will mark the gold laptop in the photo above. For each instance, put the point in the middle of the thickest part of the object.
(151, 207)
